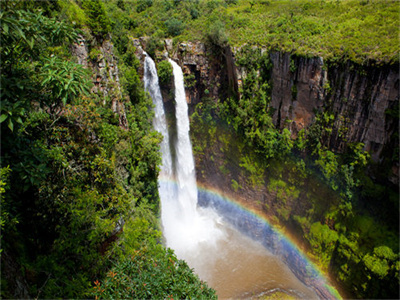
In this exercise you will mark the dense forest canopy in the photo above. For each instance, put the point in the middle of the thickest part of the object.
(79, 166)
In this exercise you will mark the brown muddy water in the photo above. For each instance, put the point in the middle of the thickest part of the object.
(238, 267)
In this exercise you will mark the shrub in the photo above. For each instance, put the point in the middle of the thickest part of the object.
(143, 5)
(95, 54)
(164, 70)
(194, 13)
(152, 273)
(217, 35)
(322, 240)
(152, 45)
(99, 22)
(174, 27)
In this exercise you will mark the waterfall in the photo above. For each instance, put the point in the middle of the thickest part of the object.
(166, 191)
(188, 229)
(159, 122)
(185, 171)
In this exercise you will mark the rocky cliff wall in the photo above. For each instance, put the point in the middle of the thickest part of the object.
(103, 66)
(359, 98)
(297, 90)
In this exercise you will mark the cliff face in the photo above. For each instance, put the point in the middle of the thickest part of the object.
(103, 66)
(358, 99)
(297, 90)
(364, 101)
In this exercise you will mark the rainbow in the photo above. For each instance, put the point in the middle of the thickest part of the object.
(276, 241)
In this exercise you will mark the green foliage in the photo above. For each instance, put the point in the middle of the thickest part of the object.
(70, 10)
(292, 65)
(26, 38)
(250, 115)
(174, 27)
(217, 35)
(164, 71)
(283, 191)
(98, 20)
(152, 272)
(95, 54)
(328, 164)
(303, 222)
(8, 220)
(142, 5)
(235, 185)
(200, 119)
(323, 241)
(379, 267)
(256, 177)
(77, 176)
(356, 156)
(367, 270)
(131, 81)
(190, 81)
(300, 141)
(349, 31)
(63, 81)
(153, 45)
(108, 134)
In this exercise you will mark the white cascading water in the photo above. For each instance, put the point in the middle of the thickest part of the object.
(159, 122)
(187, 228)
(185, 171)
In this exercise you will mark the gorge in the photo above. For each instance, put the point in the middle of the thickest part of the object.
(253, 141)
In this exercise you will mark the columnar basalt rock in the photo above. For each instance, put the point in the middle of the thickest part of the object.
(358, 100)
(363, 100)
(297, 90)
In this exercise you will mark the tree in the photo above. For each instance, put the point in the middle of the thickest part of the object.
(25, 38)
(99, 22)
(152, 272)
(323, 241)
(143, 5)
(217, 35)
(164, 70)
(174, 27)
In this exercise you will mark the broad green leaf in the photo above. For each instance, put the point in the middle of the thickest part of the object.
(3, 118)
(5, 27)
(31, 43)
(10, 124)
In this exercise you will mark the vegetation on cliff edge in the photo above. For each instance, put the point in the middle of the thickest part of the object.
(363, 31)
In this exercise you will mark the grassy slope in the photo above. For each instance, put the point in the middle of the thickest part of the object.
(334, 29)
(323, 28)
